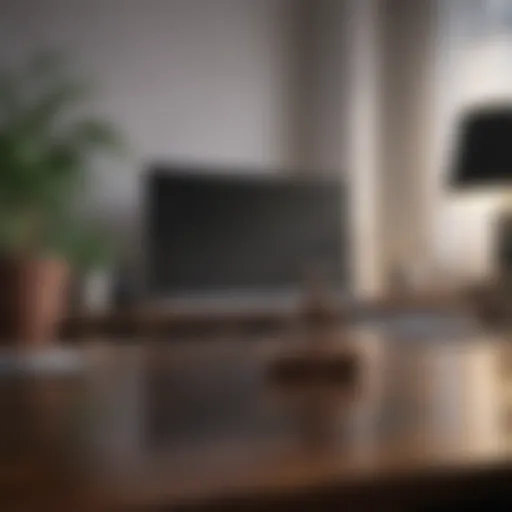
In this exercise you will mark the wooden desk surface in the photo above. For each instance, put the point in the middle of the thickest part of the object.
(149, 319)
(190, 424)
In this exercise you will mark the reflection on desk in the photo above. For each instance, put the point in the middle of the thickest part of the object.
(189, 424)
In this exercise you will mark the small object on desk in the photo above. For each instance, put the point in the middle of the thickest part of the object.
(318, 309)
(97, 287)
(315, 367)
(316, 362)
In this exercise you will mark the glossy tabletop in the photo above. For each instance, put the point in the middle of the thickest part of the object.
(183, 422)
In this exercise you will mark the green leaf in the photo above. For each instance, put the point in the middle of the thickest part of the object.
(84, 245)
(45, 149)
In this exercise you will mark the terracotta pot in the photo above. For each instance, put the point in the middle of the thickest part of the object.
(32, 299)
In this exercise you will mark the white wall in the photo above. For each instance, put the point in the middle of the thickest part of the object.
(407, 94)
(201, 80)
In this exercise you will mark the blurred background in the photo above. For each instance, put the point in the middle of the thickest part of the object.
(243, 149)
(366, 89)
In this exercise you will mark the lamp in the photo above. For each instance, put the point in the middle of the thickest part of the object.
(483, 160)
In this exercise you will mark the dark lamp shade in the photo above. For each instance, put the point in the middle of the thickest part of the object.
(484, 148)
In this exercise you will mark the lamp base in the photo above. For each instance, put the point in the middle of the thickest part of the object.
(493, 299)
(503, 249)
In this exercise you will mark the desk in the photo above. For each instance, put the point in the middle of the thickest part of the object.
(154, 320)
(200, 426)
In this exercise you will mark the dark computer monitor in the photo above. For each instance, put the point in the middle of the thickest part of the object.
(212, 234)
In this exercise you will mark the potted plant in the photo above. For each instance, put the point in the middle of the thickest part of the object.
(46, 148)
